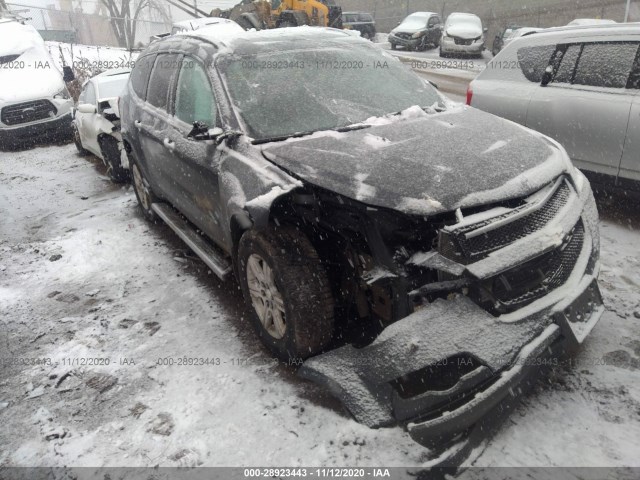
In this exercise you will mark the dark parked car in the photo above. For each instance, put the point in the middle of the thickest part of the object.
(360, 21)
(418, 31)
(434, 253)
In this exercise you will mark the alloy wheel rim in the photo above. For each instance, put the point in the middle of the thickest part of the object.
(265, 297)
(140, 188)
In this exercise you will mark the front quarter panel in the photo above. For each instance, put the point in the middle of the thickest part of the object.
(249, 184)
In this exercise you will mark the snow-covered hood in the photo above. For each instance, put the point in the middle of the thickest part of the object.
(33, 74)
(426, 165)
(466, 31)
(40, 78)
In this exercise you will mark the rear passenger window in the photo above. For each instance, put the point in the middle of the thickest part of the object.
(194, 96)
(140, 75)
(567, 64)
(164, 70)
(606, 64)
(534, 60)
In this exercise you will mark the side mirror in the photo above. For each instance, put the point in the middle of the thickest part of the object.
(67, 74)
(201, 131)
(86, 108)
(546, 76)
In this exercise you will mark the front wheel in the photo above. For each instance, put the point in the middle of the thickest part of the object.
(393, 46)
(111, 154)
(143, 193)
(78, 141)
(288, 290)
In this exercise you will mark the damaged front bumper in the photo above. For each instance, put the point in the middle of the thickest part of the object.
(440, 370)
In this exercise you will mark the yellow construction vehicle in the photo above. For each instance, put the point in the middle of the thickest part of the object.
(283, 13)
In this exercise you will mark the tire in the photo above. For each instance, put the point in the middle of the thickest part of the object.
(78, 142)
(111, 155)
(287, 24)
(284, 271)
(144, 194)
(442, 54)
(393, 46)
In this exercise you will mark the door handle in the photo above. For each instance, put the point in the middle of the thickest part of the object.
(169, 144)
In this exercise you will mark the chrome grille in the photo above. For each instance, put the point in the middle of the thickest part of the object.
(464, 247)
(462, 41)
(28, 112)
(536, 278)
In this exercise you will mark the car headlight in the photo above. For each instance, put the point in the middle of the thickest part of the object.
(63, 94)
(418, 35)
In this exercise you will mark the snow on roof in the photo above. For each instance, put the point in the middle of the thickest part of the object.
(251, 41)
(217, 32)
(422, 14)
(591, 21)
(588, 30)
(18, 38)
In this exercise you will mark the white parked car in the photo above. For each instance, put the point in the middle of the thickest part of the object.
(463, 34)
(34, 100)
(578, 85)
(96, 123)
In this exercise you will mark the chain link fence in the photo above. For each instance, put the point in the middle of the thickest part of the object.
(71, 25)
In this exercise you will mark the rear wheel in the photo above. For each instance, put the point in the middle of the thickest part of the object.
(288, 291)
(442, 54)
(143, 193)
(78, 141)
(111, 155)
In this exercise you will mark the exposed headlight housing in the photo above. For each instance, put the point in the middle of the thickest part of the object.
(418, 34)
(63, 94)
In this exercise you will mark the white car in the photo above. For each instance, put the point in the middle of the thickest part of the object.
(578, 85)
(463, 34)
(96, 122)
(34, 100)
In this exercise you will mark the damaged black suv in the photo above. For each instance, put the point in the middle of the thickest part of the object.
(433, 252)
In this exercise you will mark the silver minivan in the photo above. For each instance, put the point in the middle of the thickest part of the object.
(580, 86)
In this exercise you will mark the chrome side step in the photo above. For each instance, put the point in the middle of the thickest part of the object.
(214, 259)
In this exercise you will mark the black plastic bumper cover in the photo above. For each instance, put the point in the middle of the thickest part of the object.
(59, 128)
(507, 353)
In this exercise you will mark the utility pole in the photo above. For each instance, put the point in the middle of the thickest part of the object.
(626, 12)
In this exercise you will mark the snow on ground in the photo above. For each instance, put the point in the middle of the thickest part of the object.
(124, 289)
(84, 276)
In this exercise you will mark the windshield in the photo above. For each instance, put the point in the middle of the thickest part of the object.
(470, 20)
(288, 92)
(113, 87)
(415, 22)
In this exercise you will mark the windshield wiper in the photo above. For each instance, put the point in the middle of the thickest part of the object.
(281, 138)
(351, 128)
